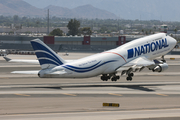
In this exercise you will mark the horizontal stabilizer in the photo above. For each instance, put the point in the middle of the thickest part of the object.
(58, 72)
(35, 72)
(27, 61)
(7, 59)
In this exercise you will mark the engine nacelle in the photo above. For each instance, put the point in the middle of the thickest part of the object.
(161, 67)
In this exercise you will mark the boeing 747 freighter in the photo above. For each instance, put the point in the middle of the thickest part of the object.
(126, 59)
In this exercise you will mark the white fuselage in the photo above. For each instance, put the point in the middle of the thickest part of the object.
(107, 62)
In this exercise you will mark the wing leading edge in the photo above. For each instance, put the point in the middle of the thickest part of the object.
(137, 63)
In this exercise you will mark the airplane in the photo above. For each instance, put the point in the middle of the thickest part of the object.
(126, 59)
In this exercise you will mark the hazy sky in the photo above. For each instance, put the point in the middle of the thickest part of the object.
(62, 3)
(167, 10)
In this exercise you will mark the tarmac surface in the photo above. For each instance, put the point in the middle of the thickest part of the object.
(152, 96)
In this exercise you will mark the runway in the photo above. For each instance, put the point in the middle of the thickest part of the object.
(149, 95)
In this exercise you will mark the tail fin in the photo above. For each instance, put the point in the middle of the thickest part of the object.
(46, 56)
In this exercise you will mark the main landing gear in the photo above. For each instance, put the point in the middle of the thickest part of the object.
(129, 77)
(113, 77)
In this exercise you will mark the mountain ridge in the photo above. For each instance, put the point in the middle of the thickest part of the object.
(18, 7)
(166, 10)
(22, 8)
(86, 11)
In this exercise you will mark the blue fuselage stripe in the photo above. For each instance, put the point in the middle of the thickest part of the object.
(83, 70)
(70, 66)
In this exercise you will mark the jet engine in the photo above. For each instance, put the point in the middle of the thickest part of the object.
(161, 67)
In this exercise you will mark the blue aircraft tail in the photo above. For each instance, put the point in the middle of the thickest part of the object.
(46, 56)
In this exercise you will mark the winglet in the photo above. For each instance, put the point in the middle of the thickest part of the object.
(7, 59)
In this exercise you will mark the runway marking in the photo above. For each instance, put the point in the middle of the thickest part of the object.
(69, 94)
(22, 95)
(162, 94)
(4, 78)
(114, 94)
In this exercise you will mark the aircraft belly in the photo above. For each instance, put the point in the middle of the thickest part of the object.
(74, 74)
(111, 68)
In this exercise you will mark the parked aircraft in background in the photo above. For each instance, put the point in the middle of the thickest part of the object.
(126, 59)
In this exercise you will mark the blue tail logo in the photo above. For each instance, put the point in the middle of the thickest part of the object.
(46, 56)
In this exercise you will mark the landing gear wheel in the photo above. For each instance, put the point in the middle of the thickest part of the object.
(104, 78)
(115, 78)
(131, 74)
(129, 78)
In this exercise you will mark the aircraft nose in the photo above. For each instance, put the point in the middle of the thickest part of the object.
(173, 41)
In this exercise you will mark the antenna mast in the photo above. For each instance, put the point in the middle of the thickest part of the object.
(48, 23)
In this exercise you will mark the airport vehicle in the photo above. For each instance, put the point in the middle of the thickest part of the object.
(3, 52)
(126, 59)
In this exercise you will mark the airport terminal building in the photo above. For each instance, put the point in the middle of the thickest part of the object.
(64, 43)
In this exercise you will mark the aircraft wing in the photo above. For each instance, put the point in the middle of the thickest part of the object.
(26, 61)
(139, 62)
